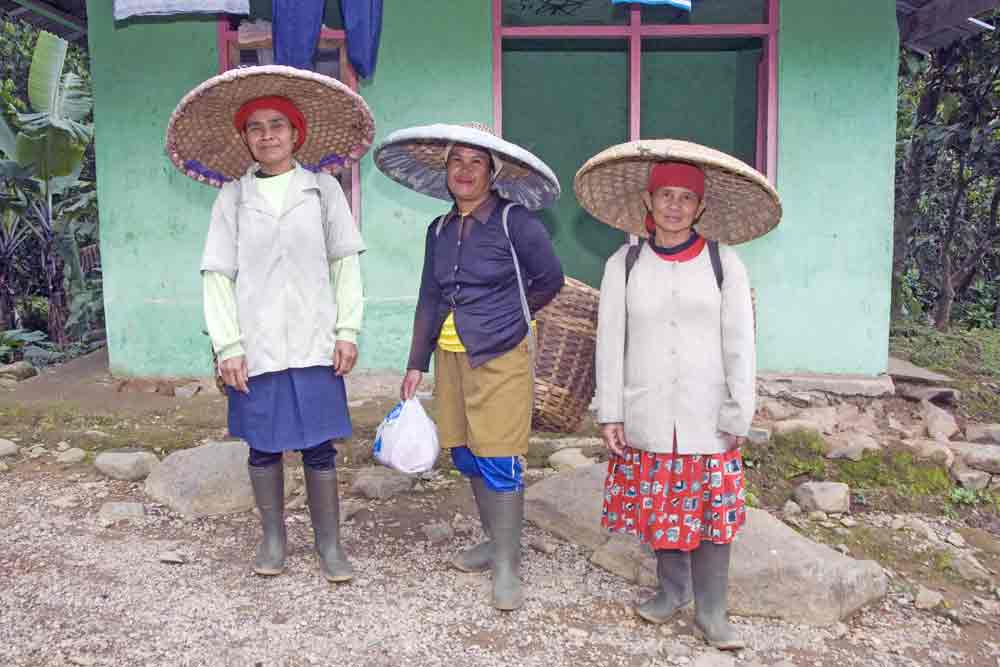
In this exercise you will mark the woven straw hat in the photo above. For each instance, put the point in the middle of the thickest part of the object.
(203, 143)
(415, 157)
(740, 205)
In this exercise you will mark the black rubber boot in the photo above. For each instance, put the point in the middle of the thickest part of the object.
(324, 510)
(710, 577)
(480, 557)
(268, 484)
(673, 571)
(506, 511)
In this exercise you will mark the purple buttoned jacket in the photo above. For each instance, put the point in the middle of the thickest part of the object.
(474, 276)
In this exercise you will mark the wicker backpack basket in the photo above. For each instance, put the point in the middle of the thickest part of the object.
(564, 358)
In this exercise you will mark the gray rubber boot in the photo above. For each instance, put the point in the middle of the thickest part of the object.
(673, 571)
(506, 512)
(480, 557)
(269, 493)
(324, 510)
(710, 578)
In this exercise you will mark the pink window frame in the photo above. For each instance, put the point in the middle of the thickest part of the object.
(634, 32)
(227, 36)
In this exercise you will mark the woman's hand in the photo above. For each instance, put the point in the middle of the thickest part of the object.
(613, 435)
(732, 441)
(234, 373)
(345, 355)
(410, 383)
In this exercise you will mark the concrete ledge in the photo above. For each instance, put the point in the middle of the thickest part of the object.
(776, 384)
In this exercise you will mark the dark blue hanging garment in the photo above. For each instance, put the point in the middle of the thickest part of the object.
(296, 31)
(363, 25)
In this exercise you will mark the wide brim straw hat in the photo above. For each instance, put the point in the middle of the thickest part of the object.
(740, 204)
(204, 144)
(416, 156)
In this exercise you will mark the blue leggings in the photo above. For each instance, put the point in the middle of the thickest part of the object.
(321, 457)
(502, 474)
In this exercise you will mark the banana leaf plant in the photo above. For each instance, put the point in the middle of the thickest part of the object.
(13, 233)
(43, 159)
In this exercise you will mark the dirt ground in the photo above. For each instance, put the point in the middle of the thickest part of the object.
(75, 592)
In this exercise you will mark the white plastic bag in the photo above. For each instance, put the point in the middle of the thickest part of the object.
(407, 439)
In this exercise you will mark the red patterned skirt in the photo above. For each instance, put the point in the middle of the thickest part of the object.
(675, 501)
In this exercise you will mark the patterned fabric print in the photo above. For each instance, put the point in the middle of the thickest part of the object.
(675, 501)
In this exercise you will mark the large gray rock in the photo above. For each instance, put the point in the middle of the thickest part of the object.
(984, 457)
(969, 478)
(983, 433)
(825, 418)
(20, 370)
(379, 483)
(787, 426)
(72, 455)
(206, 480)
(939, 423)
(776, 572)
(568, 459)
(8, 448)
(851, 446)
(829, 497)
(130, 466)
(540, 449)
(931, 450)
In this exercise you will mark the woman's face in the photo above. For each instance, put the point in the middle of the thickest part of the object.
(674, 209)
(469, 174)
(271, 138)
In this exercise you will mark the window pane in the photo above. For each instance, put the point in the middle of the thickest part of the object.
(703, 91)
(708, 12)
(563, 12)
(565, 100)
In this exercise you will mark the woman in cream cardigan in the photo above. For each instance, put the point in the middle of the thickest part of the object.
(676, 388)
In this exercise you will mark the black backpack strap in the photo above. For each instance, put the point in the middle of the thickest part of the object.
(631, 255)
(713, 254)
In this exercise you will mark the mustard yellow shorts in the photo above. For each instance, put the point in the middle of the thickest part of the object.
(487, 408)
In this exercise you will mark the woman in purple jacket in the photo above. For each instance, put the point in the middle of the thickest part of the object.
(473, 315)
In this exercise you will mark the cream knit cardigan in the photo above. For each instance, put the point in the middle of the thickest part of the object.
(680, 356)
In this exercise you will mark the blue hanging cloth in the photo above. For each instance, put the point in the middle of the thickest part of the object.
(680, 4)
(296, 31)
(363, 25)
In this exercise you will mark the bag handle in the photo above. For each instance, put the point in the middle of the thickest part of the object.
(520, 285)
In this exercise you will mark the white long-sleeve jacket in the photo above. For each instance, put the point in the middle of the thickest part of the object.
(679, 355)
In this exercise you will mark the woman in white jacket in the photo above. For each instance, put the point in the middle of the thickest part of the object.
(676, 394)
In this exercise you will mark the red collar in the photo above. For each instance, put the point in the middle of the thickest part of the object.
(684, 255)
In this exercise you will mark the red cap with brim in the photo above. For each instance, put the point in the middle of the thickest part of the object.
(282, 105)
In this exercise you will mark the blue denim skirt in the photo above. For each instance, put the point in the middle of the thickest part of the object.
(297, 408)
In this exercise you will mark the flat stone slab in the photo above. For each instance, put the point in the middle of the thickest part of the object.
(207, 480)
(872, 386)
(904, 371)
(776, 572)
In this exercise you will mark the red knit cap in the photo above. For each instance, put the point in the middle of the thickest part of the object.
(674, 175)
(282, 105)
(677, 175)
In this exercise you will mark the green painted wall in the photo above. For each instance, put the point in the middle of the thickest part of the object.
(153, 219)
(822, 276)
(428, 71)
